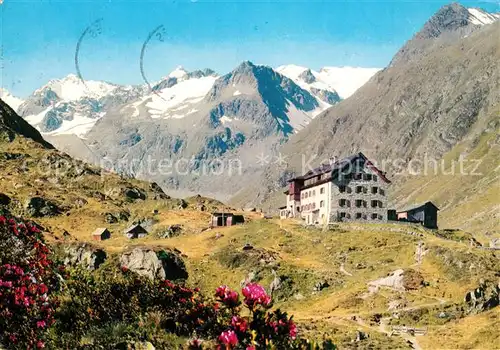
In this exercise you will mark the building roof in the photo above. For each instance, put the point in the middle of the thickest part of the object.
(134, 227)
(220, 214)
(99, 231)
(340, 165)
(417, 206)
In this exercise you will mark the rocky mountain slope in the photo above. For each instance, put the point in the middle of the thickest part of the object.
(440, 91)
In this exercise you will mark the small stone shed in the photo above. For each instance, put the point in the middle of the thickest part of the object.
(135, 231)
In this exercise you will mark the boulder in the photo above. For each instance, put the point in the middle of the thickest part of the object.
(123, 215)
(80, 202)
(158, 192)
(84, 255)
(162, 264)
(110, 218)
(319, 286)
(182, 204)
(483, 298)
(134, 193)
(40, 207)
(171, 231)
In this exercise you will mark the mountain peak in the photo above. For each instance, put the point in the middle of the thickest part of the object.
(178, 72)
(452, 17)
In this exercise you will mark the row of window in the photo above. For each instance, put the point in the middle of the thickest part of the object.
(360, 216)
(361, 189)
(315, 179)
(362, 176)
(311, 193)
(360, 203)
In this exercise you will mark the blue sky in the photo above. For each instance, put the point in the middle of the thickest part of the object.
(39, 38)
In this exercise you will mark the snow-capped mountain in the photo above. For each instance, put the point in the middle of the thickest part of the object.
(329, 81)
(13, 101)
(73, 106)
(175, 95)
(480, 17)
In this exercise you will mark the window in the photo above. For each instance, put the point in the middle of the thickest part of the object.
(298, 209)
(374, 190)
(343, 215)
(342, 189)
(374, 216)
(359, 203)
(314, 205)
(382, 192)
(357, 176)
(375, 178)
(380, 204)
(359, 189)
(374, 203)
(309, 193)
(342, 202)
(305, 195)
(322, 190)
(359, 215)
(314, 192)
(321, 204)
(367, 177)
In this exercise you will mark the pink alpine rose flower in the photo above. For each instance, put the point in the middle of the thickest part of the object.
(227, 296)
(229, 338)
(255, 294)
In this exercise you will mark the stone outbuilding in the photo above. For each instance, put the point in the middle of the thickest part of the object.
(135, 231)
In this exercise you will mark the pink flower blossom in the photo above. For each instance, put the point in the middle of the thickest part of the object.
(292, 329)
(227, 296)
(229, 338)
(250, 347)
(239, 324)
(255, 294)
(41, 324)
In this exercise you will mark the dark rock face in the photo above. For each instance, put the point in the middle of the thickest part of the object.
(307, 76)
(84, 255)
(163, 264)
(4, 199)
(166, 83)
(483, 298)
(158, 192)
(40, 207)
(11, 125)
(134, 193)
(448, 18)
(110, 218)
(326, 96)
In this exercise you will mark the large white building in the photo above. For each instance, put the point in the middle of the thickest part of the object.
(351, 189)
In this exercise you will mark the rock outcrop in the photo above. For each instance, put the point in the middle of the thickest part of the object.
(40, 207)
(84, 255)
(162, 264)
(483, 298)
